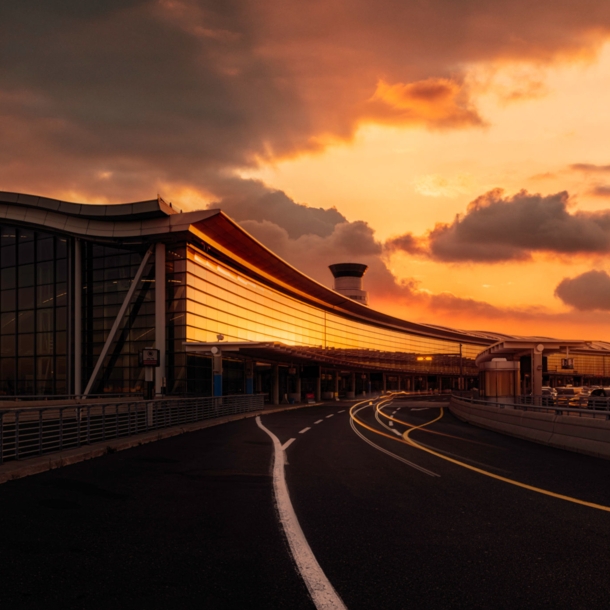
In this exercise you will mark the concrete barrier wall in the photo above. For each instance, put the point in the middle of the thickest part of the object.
(582, 434)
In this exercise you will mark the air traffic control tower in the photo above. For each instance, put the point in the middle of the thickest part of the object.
(348, 281)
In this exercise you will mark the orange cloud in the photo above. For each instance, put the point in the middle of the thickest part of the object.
(433, 102)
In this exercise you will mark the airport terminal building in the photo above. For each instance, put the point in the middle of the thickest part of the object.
(84, 289)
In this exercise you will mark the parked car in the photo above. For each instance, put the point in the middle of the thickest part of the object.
(599, 399)
(549, 395)
(572, 396)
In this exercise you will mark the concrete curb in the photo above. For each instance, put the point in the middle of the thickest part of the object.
(583, 435)
(17, 470)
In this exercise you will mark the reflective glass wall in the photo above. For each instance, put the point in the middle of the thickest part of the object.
(33, 312)
(107, 276)
(220, 300)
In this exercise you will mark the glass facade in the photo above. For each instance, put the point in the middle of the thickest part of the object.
(220, 300)
(596, 366)
(33, 312)
(107, 276)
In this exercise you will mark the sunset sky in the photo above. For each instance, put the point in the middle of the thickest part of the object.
(460, 149)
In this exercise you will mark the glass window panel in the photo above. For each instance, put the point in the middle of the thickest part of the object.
(7, 278)
(44, 273)
(26, 275)
(60, 366)
(7, 235)
(45, 296)
(25, 235)
(25, 252)
(61, 318)
(25, 345)
(26, 298)
(44, 369)
(25, 375)
(8, 257)
(8, 300)
(61, 270)
(8, 323)
(61, 294)
(44, 320)
(61, 248)
(7, 345)
(60, 343)
(25, 322)
(44, 344)
(44, 250)
(8, 368)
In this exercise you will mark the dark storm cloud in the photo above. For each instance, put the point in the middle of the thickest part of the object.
(114, 98)
(251, 200)
(404, 243)
(497, 228)
(586, 292)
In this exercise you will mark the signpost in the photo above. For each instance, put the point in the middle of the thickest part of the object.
(149, 359)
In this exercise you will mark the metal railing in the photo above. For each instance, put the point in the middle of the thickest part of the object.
(576, 406)
(56, 397)
(33, 431)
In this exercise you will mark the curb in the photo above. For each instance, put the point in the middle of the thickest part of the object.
(17, 470)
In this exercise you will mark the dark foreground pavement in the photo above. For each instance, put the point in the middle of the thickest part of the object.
(190, 522)
(186, 522)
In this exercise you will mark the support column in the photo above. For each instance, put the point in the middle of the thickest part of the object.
(370, 385)
(537, 370)
(399, 383)
(336, 385)
(318, 396)
(258, 382)
(351, 393)
(217, 371)
(78, 318)
(275, 391)
(160, 321)
(249, 377)
(384, 383)
(298, 389)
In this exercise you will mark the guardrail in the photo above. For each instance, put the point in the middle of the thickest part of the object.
(35, 431)
(562, 405)
(55, 397)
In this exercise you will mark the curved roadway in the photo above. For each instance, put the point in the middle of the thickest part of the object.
(402, 505)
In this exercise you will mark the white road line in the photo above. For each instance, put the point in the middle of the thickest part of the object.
(304, 430)
(342, 411)
(288, 443)
(397, 433)
(422, 409)
(390, 423)
(319, 421)
(331, 415)
(322, 592)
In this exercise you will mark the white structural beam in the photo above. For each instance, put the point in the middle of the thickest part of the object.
(160, 314)
(117, 321)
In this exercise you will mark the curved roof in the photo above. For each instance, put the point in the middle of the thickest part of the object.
(155, 220)
(139, 210)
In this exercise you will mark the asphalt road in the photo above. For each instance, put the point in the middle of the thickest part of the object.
(190, 521)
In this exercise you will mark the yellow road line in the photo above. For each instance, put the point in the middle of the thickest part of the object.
(544, 492)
